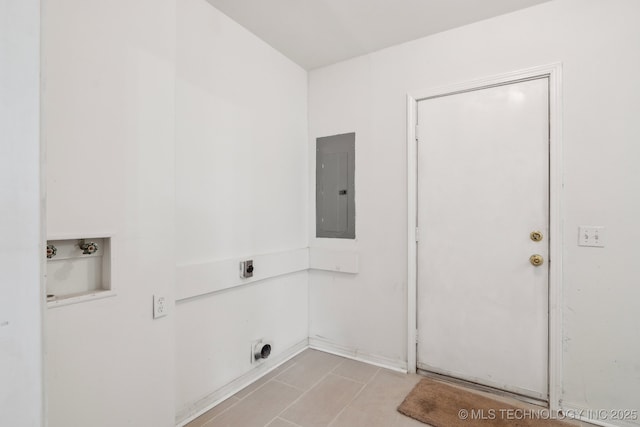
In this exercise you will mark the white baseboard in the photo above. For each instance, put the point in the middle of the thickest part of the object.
(203, 405)
(328, 346)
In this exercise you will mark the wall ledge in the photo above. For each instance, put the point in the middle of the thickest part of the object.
(194, 280)
(204, 278)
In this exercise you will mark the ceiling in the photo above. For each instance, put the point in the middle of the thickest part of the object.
(315, 33)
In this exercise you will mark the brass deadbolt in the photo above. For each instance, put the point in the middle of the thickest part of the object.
(536, 260)
(536, 236)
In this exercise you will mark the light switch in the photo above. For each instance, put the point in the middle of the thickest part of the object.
(591, 236)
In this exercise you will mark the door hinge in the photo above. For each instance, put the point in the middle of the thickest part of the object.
(416, 337)
(417, 234)
(417, 132)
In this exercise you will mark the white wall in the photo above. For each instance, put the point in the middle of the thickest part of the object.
(115, 89)
(21, 253)
(109, 72)
(120, 74)
(597, 42)
(241, 190)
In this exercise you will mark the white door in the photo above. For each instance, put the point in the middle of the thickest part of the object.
(483, 187)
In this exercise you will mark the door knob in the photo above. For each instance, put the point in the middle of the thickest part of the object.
(536, 260)
(536, 236)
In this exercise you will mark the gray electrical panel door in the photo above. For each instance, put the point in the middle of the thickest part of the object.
(335, 198)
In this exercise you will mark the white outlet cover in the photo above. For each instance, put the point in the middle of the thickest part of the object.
(254, 347)
(591, 235)
(160, 306)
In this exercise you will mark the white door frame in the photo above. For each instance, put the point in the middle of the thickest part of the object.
(554, 73)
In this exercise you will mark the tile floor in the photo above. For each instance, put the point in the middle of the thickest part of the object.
(317, 389)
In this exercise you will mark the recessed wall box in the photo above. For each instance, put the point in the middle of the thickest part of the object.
(246, 269)
(77, 267)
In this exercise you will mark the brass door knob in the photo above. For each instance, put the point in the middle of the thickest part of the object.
(536, 236)
(536, 260)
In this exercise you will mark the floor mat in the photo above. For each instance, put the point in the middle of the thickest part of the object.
(442, 405)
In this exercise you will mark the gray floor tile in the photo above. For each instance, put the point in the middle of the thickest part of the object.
(376, 405)
(404, 421)
(317, 389)
(214, 412)
(258, 408)
(259, 383)
(323, 402)
(357, 371)
(310, 367)
(279, 422)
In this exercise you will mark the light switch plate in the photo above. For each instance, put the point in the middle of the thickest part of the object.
(593, 236)
(160, 306)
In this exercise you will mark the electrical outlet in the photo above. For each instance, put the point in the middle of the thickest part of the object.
(591, 236)
(159, 306)
(246, 269)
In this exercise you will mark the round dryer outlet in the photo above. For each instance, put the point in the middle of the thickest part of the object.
(260, 351)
